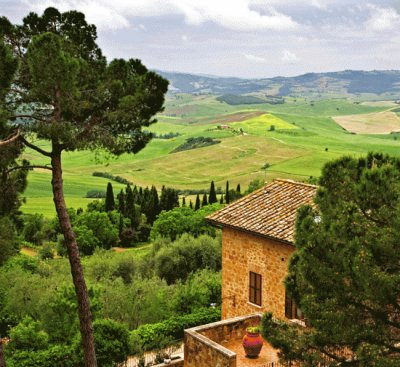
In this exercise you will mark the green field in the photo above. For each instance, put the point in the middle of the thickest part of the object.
(305, 137)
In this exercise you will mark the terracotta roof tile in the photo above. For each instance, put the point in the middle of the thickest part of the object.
(269, 211)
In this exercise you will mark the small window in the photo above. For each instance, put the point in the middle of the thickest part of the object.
(255, 288)
(291, 310)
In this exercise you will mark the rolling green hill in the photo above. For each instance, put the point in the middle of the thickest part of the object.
(305, 136)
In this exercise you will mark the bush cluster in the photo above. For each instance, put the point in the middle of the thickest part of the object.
(145, 336)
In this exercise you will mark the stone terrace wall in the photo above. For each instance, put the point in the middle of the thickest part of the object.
(202, 346)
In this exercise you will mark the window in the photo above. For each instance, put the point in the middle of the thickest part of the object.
(255, 288)
(291, 310)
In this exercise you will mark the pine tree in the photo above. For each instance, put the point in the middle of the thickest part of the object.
(212, 198)
(204, 202)
(77, 100)
(197, 204)
(345, 274)
(110, 202)
(238, 188)
(227, 193)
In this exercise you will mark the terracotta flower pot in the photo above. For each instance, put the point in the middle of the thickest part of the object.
(252, 343)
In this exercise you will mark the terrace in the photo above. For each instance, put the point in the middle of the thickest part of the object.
(220, 344)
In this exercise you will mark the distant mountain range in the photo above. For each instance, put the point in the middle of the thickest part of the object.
(366, 84)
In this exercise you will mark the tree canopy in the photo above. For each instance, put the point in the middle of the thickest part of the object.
(345, 274)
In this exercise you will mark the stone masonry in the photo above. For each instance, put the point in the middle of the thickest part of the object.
(243, 252)
(203, 343)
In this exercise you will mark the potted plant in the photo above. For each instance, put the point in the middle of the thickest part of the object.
(252, 342)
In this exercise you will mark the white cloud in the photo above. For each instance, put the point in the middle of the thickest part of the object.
(184, 38)
(254, 58)
(234, 15)
(382, 19)
(289, 57)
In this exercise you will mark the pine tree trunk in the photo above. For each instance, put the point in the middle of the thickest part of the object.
(2, 359)
(85, 316)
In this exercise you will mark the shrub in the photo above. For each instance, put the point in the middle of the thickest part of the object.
(46, 252)
(33, 225)
(187, 255)
(182, 220)
(95, 194)
(56, 355)
(112, 177)
(145, 336)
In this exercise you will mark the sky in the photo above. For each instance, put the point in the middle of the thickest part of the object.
(241, 38)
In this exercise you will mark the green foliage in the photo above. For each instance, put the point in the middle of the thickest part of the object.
(110, 202)
(255, 184)
(195, 143)
(201, 289)
(46, 252)
(96, 194)
(169, 198)
(145, 336)
(182, 220)
(8, 242)
(86, 240)
(234, 99)
(345, 273)
(27, 335)
(33, 225)
(100, 224)
(112, 177)
(186, 255)
(111, 342)
(59, 316)
(55, 355)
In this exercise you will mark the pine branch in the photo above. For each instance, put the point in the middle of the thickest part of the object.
(10, 139)
(34, 147)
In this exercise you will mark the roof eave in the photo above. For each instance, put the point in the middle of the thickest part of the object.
(220, 224)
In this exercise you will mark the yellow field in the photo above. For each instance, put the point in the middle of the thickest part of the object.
(370, 123)
(259, 125)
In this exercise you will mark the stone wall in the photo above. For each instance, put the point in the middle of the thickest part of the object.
(202, 343)
(243, 252)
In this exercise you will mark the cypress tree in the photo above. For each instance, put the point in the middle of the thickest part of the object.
(212, 198)
(227, 192)
(183, 201)
(169, 198)
(110, 202)
(238, 188)
(156, 203)
(121, 225)
(197, 204)
(204, 202)
(221, 200)
(190, 204)
(129, 202)
(121, 202)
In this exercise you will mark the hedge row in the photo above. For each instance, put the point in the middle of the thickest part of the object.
(112, 177)
(148, 336)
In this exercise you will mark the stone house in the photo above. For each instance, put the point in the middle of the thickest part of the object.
(257, 241)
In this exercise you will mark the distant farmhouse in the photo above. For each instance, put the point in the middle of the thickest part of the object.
(257, 241)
